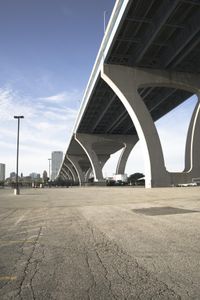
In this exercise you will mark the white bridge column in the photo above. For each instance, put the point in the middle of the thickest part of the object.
(87, 174)
(67, 172)
(75, 162)
(99, 147)
(125, 82)
(192, 157)
(102, 160)
(64, 175)
(86, 141)
(124, 156)
(192, 153)
(68, 167)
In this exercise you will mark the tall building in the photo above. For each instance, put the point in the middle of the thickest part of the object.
(44, 176)
(56, 160)
(12, 175)
(2, 172)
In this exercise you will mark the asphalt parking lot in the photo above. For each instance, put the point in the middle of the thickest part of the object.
(100, 243)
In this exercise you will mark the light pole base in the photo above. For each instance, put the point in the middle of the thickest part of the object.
(16, 191)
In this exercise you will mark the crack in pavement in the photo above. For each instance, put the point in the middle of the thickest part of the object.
(26, 267)
(93, 284)
(18, 258)
(8, 215)
(140, 281)
(35, 272)
(102, 264)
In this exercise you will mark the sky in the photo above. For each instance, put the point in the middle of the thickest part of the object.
(47, 51)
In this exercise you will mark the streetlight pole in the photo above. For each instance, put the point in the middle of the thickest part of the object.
(16, 191)
(49, 159)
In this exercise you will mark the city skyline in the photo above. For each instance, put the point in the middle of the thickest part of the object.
(48, 51)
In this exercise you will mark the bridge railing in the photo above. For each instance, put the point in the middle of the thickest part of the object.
(107, 40)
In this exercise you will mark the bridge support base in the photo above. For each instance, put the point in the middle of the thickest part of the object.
(125, 82)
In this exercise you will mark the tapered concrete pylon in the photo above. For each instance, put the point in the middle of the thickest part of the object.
(75, 162)
(64, 175)
(192, 156)
(67, 166)
(99, 147)
(192, 152)
(86, 142)
(123, 81)
(87, 175)
(124, 156)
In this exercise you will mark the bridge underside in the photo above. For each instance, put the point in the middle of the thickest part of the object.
(151, 67)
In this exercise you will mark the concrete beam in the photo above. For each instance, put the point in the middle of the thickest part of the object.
(152, 31)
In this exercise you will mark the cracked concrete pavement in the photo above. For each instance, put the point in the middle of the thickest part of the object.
(93, 243)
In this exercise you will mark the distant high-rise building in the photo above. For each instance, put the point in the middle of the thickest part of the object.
(12, 175)
(45, 176)
(2, 172)
(56, 160)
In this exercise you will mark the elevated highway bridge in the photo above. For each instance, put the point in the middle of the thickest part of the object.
(148, 64)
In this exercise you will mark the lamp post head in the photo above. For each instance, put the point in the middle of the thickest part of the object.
(18, 117)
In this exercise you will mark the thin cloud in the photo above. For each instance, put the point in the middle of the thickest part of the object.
(12, 104)
(72, 96)
(63, 115)
(55, 98)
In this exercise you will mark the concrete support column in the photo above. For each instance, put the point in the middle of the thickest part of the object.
(75, 162)
(87, 174)
(67, 174)
(124, 156)
(103, 159)
(192, 153)
(64, 176)
(67, 166)
(124, 82)
(86, 143)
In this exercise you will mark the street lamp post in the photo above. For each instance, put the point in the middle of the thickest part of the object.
(16, 191)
